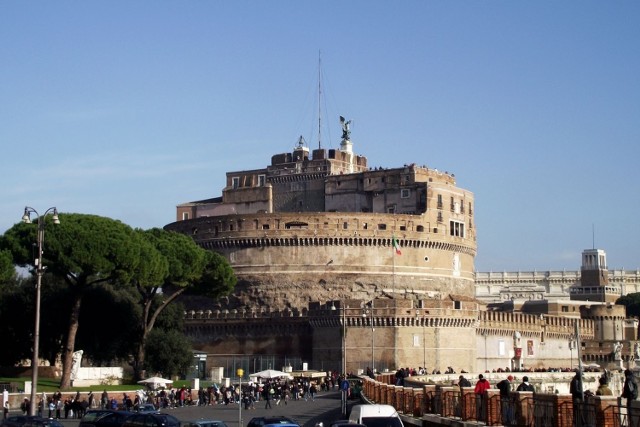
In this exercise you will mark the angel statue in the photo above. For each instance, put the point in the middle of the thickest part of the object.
(617, 351)
(346, 132)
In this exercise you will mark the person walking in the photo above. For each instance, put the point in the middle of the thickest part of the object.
(268, 391)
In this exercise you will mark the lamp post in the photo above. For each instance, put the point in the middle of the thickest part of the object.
(424, 343)
(240, 373)
(26, 218)
(343, 319)
(369, 311)
(571, 346)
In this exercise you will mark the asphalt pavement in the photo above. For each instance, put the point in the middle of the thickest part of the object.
(325, 408)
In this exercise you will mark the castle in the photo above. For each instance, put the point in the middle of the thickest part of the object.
(346, 266)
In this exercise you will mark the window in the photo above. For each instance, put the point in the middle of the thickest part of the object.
(456, 228)
(416, 340)
(185, 216)
(391, 209)
(565, 309)
(439, 201)
(262, 179)
(405, 193)
(235, 182)
(382, 226)
(345, 225)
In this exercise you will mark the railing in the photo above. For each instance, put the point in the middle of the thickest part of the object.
(524, 409)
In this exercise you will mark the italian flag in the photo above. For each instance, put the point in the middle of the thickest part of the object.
(396, 246)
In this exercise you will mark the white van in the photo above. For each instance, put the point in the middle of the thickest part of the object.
(375, 416)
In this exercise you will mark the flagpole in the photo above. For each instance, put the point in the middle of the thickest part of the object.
(393, 274)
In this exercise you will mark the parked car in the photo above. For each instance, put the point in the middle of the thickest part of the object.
(375, 415)
(29, 421)
(262, 421)
(151, 420)
(15, 421)
(282, 425)
(104, 418)
(345, 423)
(147, 408)
(42, 422)
(204, 423)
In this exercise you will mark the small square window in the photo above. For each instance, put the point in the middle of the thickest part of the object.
(405, 193)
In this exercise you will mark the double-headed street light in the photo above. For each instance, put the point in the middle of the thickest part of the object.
(26, 218)
(368, 312)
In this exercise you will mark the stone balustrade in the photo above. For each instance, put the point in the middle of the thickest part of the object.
(432, 405)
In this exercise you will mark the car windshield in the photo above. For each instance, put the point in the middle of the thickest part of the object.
(94, 415)
(382, 422)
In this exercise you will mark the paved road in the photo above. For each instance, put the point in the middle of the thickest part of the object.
(325, 409)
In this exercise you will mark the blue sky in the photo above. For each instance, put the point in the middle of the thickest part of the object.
(126, 109)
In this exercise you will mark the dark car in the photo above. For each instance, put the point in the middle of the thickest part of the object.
(262, 421)
(29, 421)
(204, 423)
(147, 408)
(104, 418)
(16, 421)
(151, 420)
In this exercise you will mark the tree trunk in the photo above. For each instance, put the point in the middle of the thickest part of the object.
(138, 362)
(148, 320)
(67, 357)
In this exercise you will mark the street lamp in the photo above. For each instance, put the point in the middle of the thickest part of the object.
(344, 335)
(26, 218)
(424, 343)
(369, 311)
(240, 373)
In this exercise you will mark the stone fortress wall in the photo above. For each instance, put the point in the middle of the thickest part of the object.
(413, 333)
(304, 257)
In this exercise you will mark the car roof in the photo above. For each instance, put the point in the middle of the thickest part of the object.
(206, 423)
(282, 425)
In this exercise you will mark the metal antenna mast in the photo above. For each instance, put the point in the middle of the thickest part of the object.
(319, 101)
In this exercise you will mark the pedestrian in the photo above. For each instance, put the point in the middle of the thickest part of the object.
(312, 391)
(5, 409)
(629, 391)
(525, 385)
(268, 391)
(505, 400)
(463, 382)
(603, 388)
(24, 406)
(481, 399)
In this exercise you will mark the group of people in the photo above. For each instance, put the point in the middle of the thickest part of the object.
(505, 386)
(55, 406)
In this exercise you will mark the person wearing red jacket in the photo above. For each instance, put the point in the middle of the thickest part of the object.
(481, 397)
